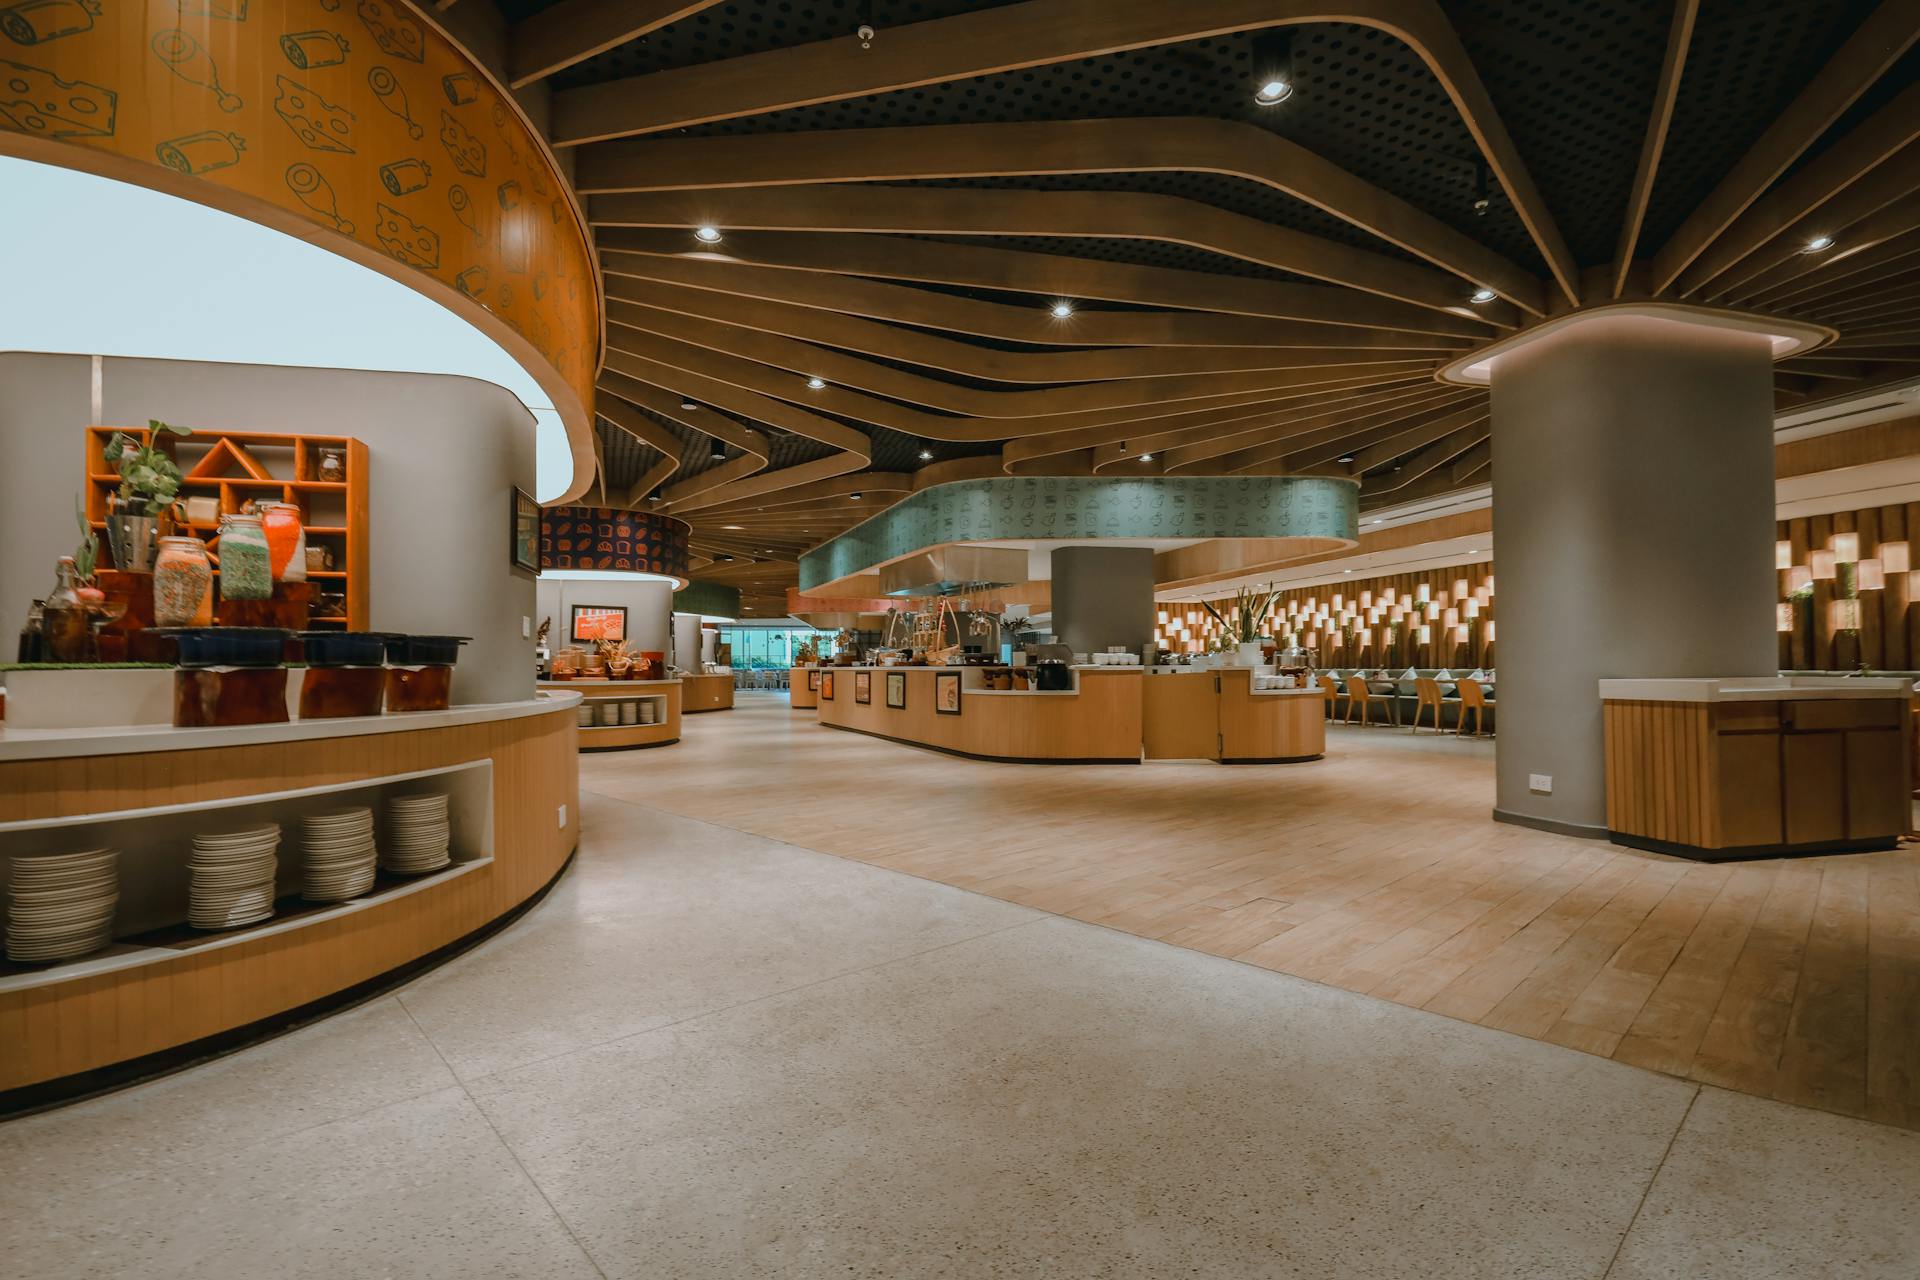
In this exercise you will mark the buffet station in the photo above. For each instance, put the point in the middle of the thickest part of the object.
(1768, 766)
(224, 802)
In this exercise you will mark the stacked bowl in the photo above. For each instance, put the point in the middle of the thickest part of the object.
(339, 854)
(60, 905)
(230, 877)
(418, 834)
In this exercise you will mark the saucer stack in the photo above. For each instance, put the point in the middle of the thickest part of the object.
(339, 855)
(417, 834)
(60, 905)
(230, 877)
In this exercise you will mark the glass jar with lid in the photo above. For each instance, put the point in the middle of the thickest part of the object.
(246, 565)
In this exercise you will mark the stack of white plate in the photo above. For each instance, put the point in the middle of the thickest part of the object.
(417, 834)
(60, 905)
(230, 877)
(340, 855)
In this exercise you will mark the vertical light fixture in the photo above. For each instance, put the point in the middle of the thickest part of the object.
(1846, 547)
(1783, 554)
(1783, 617)
(1869, 575)
(1823, 565)
(1893, 557)
(1489, 631)
(1844, 614)
(1799, 578)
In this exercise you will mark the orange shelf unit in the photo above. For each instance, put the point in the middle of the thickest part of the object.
(237, 467)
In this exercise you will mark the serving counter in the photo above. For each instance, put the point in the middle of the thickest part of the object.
(163, 992)
(654, 719)
(802, 694)
(1753, 768)
(950, 709)
(1220, 715)
(706, 692)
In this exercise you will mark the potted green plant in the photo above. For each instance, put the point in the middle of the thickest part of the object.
(1250, 612)
(140, 512)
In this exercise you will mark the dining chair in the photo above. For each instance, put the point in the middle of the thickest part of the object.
(1426, 694)
(1472, 698)
(1360, 698)
(1334, 695)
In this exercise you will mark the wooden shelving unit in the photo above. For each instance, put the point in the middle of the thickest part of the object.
(235, 467)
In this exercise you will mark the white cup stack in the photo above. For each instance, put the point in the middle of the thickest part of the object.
(60, 905)
(231, 876)
(418, 834)
(340, 854)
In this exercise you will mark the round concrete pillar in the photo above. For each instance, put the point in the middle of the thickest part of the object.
(1103, 596)
(1633, 510)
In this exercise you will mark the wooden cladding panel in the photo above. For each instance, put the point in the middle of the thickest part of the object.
(1101, 722)
(1662, 778)
(707, 693)
(798, 695)
(1180, 716)
(58, 1030)
(1268, 728)
(1887, 640)
(1443, 651)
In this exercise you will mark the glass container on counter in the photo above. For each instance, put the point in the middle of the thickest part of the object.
(182, 584)
(246, 565)
(63, 618)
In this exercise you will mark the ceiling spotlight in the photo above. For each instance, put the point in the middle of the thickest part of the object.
(1346, 571)
(1483, 294)
(853, 497)
(1345, 458)
(926, 455)
(1273, 68)
(707, 234)
(718, 452)
(1818, 243)
(1061, 310)
(1482, 190)
(725, 557)
(730, 526)
(814, 384)
(687, 404)
(1146, 457)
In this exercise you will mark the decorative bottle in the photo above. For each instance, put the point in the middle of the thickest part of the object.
(182, 584)
(246, 564)
(64, 619)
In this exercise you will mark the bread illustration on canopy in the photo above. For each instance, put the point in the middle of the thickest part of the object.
(313, 119)
(33, 100)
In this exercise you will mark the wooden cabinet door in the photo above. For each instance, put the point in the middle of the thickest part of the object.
(1877, 799)
(1816, 787)
(1749, 791)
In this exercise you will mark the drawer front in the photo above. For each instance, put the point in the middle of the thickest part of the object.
(1848, 713)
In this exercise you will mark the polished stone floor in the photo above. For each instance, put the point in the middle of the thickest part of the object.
(712, 1054)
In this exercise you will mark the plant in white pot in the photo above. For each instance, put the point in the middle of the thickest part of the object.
(1250, 613)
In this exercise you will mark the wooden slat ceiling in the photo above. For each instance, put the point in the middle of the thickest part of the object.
(1257, 290)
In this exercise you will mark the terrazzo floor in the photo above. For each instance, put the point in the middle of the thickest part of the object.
(712, 1054)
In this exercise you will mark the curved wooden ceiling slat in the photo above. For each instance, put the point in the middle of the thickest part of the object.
(902, 304)
(1052, 147)
(1785, 257)
(1120, 215)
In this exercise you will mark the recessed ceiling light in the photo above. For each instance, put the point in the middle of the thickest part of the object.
(1345, 458)
(717, 452)
(1273, 93)
(1346, 571)
(730, 526)
(1062, 309)
(814, 384)
(853, 497)
(926, 455)
(1382, 520)
(726, 557)
(1483, 294)
(1146, 457)
(706, 233)
(1273, 68)
(688, 404)
(1818, 243)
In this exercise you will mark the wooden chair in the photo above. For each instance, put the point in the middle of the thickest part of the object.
(1427, 694)
(1361, 699)
(1472, 698)
(1334, 695)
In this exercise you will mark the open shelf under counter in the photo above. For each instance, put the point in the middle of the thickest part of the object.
(663, 695)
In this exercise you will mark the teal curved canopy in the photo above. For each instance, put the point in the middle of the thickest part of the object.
(1090, 508)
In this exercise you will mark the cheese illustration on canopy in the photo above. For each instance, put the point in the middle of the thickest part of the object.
(392, 29)
(33, 100)
(468, 152)
(313, 119)
(407, 240)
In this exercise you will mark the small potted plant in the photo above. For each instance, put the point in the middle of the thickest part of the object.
(1250, 610)
(140, 512)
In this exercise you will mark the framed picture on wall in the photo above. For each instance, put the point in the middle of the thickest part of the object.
(946, 692)
(897, 690)
(813, 680)
(826, 686)
(595, 622)
(525, 551)
(863, 686)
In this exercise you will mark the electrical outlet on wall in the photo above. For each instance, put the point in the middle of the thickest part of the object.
(562, 817)
(1541, 784)
(526, 627)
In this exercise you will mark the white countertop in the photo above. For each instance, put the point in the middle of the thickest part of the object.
(1753, 689)
(118, 740)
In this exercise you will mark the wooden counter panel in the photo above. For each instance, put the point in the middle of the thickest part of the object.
(1100, 723)
(1271, 727)
(58, 1030)
(1182, 718)
(798, 695)
(706, 693)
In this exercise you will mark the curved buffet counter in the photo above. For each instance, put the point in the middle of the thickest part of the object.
(1220, 715)
(624, 715)
(707, 692)
(1095, 722)
(802, 693)
(164, 992)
